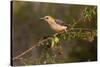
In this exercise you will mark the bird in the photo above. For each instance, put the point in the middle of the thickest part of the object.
(55, 24)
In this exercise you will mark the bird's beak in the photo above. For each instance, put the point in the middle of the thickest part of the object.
(42, 18)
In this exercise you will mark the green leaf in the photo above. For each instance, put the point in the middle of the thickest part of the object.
(56, 39)
(52, 42)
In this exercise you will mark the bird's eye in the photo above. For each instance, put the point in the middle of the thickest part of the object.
(46, 18)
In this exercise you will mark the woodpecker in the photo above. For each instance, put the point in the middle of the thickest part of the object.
(55, 24)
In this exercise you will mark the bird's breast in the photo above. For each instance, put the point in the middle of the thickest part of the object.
(58, 28)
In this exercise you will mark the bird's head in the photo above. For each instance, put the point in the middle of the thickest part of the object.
(48, 19)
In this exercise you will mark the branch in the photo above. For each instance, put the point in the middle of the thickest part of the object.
(38, 44)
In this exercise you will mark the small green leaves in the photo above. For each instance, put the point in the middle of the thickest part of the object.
(54, 41)
(89, 13)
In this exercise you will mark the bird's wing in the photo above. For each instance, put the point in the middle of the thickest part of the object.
(59, 21)
(62, 23)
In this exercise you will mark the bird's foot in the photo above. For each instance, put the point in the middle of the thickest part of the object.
(55, 34)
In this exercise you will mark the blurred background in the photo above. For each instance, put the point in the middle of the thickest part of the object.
(28, 29)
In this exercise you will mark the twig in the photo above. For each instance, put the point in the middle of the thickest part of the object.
(83, 29)
(76, 22)
(24, 52)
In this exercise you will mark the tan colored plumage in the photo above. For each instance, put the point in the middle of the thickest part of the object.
(55, 26)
